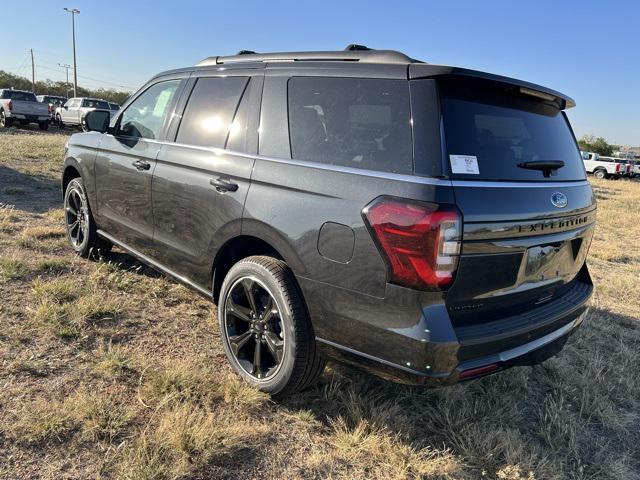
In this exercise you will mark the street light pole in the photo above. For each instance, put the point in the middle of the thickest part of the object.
(73, 12)
(66, 67)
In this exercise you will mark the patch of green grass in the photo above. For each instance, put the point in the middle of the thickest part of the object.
(59, 290)
(185, 439)
(98, 416)
(115, 360)
(52, 266)
(12, 268)
(8, 218)
(40, 237)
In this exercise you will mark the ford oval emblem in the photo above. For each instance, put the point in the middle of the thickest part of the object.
(559, 199)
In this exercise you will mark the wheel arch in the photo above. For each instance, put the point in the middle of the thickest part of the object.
(71, 170)
(234, 250)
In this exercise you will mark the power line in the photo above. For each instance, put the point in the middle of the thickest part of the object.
(97, 81)
(82, 63)
(102, 79)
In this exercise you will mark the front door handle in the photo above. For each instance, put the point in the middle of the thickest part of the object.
(223, 185)
(141, 165)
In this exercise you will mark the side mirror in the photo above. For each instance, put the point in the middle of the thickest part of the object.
(97, 121)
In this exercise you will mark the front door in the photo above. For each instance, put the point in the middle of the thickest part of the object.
(69, 112)
(201, 182)
(125, 164)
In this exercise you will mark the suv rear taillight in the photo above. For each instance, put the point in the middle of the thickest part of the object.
(419, 241)
(10, 105)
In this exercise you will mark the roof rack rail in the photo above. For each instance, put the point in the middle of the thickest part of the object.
(353, 47)
(353, 53)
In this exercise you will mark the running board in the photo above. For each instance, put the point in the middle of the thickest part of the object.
(156, 266)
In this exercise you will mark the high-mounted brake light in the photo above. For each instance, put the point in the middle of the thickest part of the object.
(538, 94)
(419, 241)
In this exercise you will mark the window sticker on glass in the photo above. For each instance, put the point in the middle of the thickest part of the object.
(161, 103)
(464, 164)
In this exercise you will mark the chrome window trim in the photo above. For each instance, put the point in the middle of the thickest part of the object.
(376, 174)
(507, 184)
(319, 166)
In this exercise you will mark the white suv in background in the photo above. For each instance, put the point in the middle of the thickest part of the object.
(73, 112)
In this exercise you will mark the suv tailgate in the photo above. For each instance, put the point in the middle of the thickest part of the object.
(527, 228)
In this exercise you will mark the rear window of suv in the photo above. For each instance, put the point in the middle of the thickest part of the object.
(351, 122)
(494, 129)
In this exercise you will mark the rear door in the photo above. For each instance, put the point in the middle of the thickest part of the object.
(201, 180)
(526, 230)
(125, 164)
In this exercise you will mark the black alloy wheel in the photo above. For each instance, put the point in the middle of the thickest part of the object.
(254, 328)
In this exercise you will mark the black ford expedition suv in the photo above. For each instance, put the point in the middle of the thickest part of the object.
(428, 223)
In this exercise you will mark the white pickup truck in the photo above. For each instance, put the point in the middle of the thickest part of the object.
(602, 167)
(23, 107)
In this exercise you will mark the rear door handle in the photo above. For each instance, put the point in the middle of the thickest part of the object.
(141, 165)
(223, 185)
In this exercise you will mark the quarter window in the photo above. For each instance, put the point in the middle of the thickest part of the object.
(361, 123)
(145, 116)
(209, 118)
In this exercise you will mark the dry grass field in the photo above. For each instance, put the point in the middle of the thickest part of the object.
(109, 370)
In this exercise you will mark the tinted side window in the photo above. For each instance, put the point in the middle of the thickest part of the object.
(145, 116)
(361, 123)
(208, 119)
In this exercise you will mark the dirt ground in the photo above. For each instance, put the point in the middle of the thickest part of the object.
(110, 370)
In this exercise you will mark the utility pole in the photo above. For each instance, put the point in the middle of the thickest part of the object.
(33, 73)
(73, 12)
(66, 67)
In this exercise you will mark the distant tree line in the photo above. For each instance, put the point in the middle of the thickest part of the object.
(49, 87)
(590, 143)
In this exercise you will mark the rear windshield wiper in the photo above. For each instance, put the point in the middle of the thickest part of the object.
(547, 166)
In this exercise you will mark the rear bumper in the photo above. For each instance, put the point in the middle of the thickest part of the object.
(30, 118)
(426, 349)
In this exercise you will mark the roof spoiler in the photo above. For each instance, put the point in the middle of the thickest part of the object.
(526, 88)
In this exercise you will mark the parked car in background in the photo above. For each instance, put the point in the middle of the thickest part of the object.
(627, 166)
(635, 168)
(114, 106)
(336, 228)
(53, 102)
(22, 106)
(604, 167)
(74, 110)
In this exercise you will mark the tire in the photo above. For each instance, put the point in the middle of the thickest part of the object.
(44, 125)
(79, 223)
(59, 121)
(275, 324)
(600, 174)
(4, 121)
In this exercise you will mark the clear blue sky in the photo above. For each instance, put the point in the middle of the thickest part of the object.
(587, 49)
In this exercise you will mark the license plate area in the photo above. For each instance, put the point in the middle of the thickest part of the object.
(549, 262)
